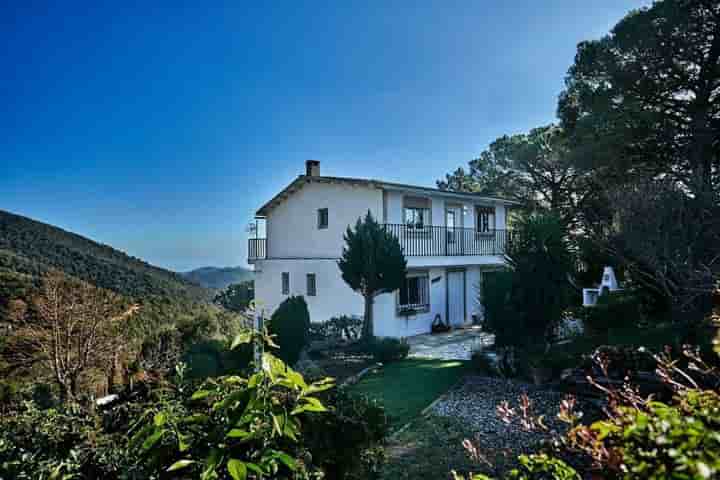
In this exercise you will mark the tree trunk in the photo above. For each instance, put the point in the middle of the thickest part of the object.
(368, 328)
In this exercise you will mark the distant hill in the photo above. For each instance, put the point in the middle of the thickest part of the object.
(29, 248)
(219, 278)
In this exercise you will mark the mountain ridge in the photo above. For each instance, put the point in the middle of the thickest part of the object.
(31, 247)
(219, 277)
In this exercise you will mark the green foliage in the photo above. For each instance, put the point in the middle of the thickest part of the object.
(236, 297)
(62, 443)
(234, 426)
(613, 310)
(290, 323)
(482, 362)
(532, 298)
(535, 169)
(500, 315)
(626, 101)
(387, 350)
(542, 467)
(667, 441)
(212, 358)
(345, 443)
(372, 263)
(339, 329)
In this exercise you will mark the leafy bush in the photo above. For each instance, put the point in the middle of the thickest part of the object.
(667, 441)
(482, 362)
(533, 295)
(613, 310)
(342, 328)
(542, 467)
(345, 443)
(233, 426)
(213, 358)
(386, 350)
(290, 324)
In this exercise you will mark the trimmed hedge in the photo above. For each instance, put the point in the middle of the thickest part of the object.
(290, 324)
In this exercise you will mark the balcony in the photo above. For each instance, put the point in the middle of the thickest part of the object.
(257, 249)
(426, 241)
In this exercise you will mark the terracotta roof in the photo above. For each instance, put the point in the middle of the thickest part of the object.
(301, 180)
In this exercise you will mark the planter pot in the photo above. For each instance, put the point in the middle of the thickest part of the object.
(541, 375)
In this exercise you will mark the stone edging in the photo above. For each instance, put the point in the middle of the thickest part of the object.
(424, 411)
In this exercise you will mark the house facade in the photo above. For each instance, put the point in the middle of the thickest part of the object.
(450, 240)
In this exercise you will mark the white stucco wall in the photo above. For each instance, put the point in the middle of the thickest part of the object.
(292, 230)
(333, 297)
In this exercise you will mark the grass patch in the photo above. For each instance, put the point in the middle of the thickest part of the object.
(408, 386)
(429, 448)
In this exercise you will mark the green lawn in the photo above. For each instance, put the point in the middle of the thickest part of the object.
(408, 386)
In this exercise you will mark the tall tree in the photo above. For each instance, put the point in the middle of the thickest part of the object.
(534, 168)
(643, 100)
(76, 328)
(372, 263)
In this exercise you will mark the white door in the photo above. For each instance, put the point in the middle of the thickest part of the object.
(456, 298)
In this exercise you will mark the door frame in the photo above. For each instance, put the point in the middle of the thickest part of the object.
(447, 292)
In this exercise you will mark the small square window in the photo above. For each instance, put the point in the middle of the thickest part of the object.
(311, 285)
(322, 218)
(285, 283)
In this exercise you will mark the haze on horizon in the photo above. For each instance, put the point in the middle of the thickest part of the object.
(160, 130)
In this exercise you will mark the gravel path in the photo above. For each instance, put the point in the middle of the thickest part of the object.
(474, 403)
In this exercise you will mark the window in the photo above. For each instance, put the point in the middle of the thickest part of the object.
(322, 217)
(415, 292)
(416, 212)
(417, 217)
(311, 285)
(285, 283)
(484, 219)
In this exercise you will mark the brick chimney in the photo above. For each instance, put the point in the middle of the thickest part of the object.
(312, 168)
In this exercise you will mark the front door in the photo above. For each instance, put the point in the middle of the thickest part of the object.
(456, 297)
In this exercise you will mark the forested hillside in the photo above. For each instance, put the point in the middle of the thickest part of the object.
(30, 247)
(219, 278)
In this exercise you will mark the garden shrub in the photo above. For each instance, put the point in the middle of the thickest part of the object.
(214, 357)
(233, 426)
(339, 329)
(347, 443)
(483, 363)
(290, 324)
(613, 310)
(532, 297)
(387, 350)
(667, 441)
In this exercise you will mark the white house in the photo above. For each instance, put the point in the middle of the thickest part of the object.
(451, 240)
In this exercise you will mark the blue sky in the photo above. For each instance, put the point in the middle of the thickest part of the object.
(159, 130)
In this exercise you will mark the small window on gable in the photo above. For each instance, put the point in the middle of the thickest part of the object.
(311, 285)
(322, 218)
(285, 283)
(484, 219)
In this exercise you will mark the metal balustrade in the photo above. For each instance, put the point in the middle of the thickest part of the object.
(425, 241)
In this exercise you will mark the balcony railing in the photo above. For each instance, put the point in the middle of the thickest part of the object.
(257, 249)
(426, 241)
(447, 241)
